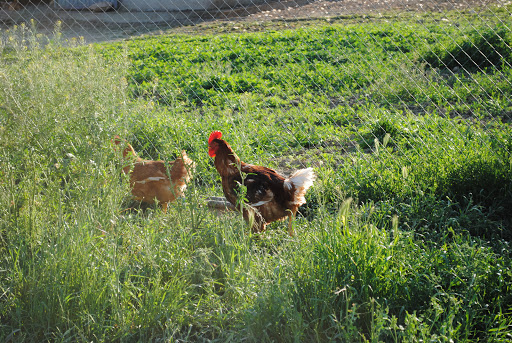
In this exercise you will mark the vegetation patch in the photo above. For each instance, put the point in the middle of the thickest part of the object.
(479, 50)
(406, 232)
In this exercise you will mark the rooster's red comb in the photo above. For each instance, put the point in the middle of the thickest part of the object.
(214, 135)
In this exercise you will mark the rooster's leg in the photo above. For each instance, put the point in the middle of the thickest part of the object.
(164, 207)
(290, 226)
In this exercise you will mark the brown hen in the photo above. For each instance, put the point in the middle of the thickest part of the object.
(160, 180)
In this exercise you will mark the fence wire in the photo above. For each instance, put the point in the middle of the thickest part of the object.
(411, 92)
(403, 109)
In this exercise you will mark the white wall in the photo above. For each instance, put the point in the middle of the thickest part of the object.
(181, 5)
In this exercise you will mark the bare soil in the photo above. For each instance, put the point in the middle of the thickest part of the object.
(324, 8)
(120, 24)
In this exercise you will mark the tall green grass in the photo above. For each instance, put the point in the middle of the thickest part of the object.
(405, 237)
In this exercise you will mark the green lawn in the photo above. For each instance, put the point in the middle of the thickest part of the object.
(406, 233)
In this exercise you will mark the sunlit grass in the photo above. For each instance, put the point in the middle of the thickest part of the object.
(405, 236)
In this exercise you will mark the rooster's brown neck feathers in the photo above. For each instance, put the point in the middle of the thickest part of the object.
(226, 160)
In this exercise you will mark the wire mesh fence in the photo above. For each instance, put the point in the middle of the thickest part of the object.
(108, 20)
(333, 76)
(450, 59)
(402, 109)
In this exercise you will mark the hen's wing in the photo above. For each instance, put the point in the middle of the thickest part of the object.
(262, 185)
(259, 190)
(149, 171)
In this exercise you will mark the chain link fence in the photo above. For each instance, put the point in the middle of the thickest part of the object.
(109, 20)
(402, 108)
(462, 70)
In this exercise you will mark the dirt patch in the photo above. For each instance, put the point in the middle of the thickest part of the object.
(310, 9)
(120, 24)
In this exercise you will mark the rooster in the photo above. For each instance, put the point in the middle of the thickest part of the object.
(149, 180)
(268, 195)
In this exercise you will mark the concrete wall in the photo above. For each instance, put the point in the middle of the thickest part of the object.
(182, 5)
(81, 4)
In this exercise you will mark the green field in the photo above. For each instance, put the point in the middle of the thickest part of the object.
(406, 235)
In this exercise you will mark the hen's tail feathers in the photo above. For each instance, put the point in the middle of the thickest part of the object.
(299, 182)
(182, 170)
